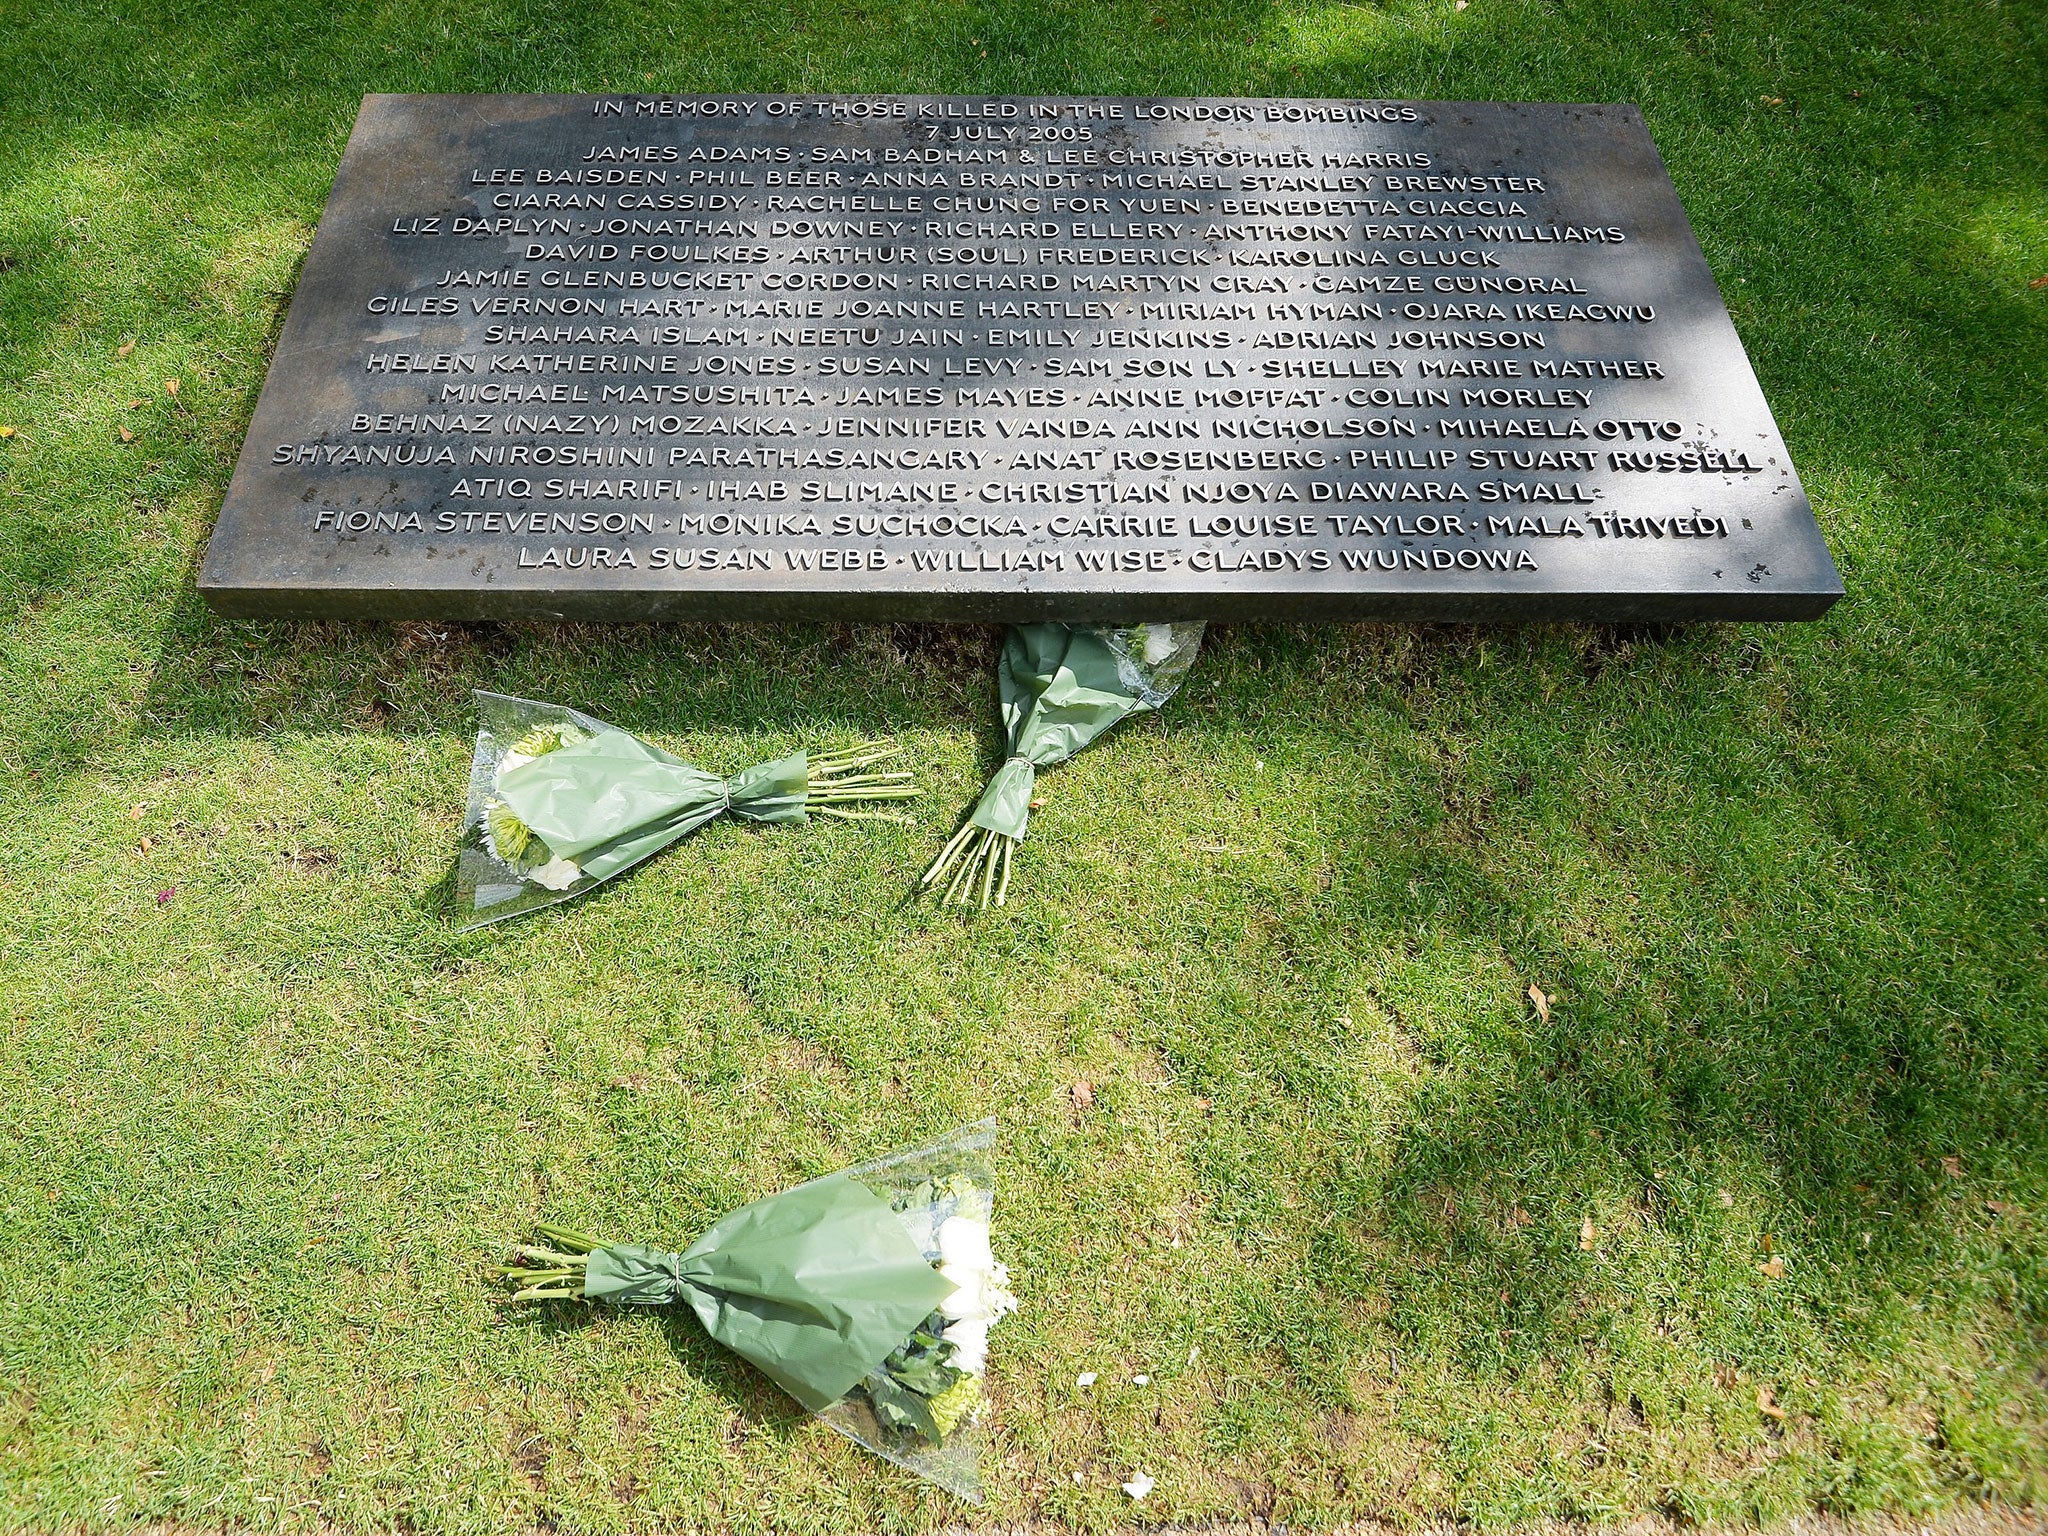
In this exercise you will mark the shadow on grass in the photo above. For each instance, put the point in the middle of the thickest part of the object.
(744, 1390)
(1722, 1051)
(1780, 884)
(260, 678)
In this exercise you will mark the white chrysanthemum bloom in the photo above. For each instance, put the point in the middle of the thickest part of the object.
(558, 874)
(512, 760)
(963, 1241)
(981, 1285)
(969, 1338)
(1158, 643)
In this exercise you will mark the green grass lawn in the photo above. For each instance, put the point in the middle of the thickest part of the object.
(264, 1117)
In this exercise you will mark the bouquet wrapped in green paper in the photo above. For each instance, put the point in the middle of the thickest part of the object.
(559, 802)
(1062, 685)
(866, 1295)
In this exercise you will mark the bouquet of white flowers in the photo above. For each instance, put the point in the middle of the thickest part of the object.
(559, 802)
(866, 1295)
(1062, 685)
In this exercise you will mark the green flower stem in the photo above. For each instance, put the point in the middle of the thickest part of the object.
(553, 1273)
(937, 867)
(978, 860)
(857, 756)
(971, 856)
(988, 872)
(549, 1256)
(835, 780)
(573, 1293)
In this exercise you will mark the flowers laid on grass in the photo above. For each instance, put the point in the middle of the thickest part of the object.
(867, 1295)
(1062, 685)
(559, 802)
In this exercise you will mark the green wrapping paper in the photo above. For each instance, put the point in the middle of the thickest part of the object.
(1061, 686)
(815, 1285)
(560, 802)
(611, 800)
(867, 1295)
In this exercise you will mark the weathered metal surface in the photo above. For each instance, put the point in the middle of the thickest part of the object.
(1009, 358)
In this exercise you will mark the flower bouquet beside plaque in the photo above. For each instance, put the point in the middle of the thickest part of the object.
(866, 1295)
(559, 802)
(1062, 685)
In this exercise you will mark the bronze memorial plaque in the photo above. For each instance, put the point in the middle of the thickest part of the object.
(1009, 358)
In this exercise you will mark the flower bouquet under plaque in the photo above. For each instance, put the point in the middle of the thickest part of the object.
(1062, 685)
(559, 802)
(866, 1295)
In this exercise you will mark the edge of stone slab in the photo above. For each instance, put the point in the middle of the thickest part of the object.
(1967, 1520)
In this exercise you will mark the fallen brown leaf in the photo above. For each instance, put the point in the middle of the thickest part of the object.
(2039, 282)
(1521, 1218)
(1589, 1236)
(1084, 1095)
(132, 404)
(170, 387)
(124, 349)
(126, 435)
(6, 431)
(1767, 1243)
(145, 845)
(1541, 999)
(1774, 1268)
(1952, 1166)
(136, 814)
(1766, 1404)
(1205, 1105)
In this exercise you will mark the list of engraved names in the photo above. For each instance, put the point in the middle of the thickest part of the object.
(693, 345)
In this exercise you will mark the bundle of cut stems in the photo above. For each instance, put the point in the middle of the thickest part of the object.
(835, 778)
(1061, 686)
(978, 861)
(560, 802)
(867, 1295)
(550, 1274)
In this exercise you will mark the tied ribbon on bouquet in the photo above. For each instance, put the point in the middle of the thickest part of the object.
(559, 802)
(1062, 685)
(866, 1295)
